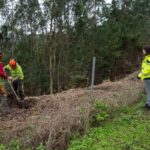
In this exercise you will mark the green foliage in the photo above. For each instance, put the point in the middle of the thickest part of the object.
(41, 147)
(99, 113)
(2, 147)
(1, 3)
(127, 130)
(15, 145)
(55, 43)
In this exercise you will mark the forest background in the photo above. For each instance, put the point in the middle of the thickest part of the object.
(55, 40)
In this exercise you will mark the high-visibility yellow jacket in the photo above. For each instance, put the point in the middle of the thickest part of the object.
(145, 71)
(15, 73)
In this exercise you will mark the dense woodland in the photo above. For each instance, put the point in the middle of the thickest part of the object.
(55, 40)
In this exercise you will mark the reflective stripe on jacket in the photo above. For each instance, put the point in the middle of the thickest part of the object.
(15, 73)
(145, 71)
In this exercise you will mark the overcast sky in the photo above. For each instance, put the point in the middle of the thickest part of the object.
(1, 20)
(108, 1)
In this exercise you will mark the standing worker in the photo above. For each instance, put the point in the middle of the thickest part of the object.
(145, 73)
(16, 76)
(3, 93)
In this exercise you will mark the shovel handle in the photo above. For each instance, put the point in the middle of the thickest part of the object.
(13, 90)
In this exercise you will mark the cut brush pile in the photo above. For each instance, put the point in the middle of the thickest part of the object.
(52, 119)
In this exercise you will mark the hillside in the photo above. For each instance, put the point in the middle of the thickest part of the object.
(127, 130)
(51, 119)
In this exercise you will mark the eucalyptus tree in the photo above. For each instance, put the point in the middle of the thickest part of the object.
(142, 20)
(5, 19)
(60, 38)
(56, 18)
(2, 2)
(29, 22)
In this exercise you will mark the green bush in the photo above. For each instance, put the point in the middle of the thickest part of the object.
(99, 113)
(2, 147)
(41, 147)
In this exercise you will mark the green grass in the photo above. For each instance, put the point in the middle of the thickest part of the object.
(15, 145)
(128, 130)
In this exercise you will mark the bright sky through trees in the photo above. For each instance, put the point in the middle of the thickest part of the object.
(108, 1)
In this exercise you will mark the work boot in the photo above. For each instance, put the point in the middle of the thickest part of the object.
(1, 110)
(147, 106)
(23, 104)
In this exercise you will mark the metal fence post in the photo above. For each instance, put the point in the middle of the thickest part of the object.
(92, 79)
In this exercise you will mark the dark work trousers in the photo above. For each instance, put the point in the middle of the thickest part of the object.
(147, 87)
(19, 89)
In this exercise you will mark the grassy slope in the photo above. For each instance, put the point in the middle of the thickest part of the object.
(128, 130)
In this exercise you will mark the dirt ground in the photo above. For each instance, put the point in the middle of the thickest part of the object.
(51, 119)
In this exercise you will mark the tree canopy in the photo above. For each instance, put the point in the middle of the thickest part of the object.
(54, 41)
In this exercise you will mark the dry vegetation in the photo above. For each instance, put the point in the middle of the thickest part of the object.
(53, 118)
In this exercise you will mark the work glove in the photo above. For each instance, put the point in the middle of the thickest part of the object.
(15, 79)
(138, 78)
(10, 79)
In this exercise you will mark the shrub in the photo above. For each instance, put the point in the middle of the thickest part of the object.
(2, 147)
(99, 113)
